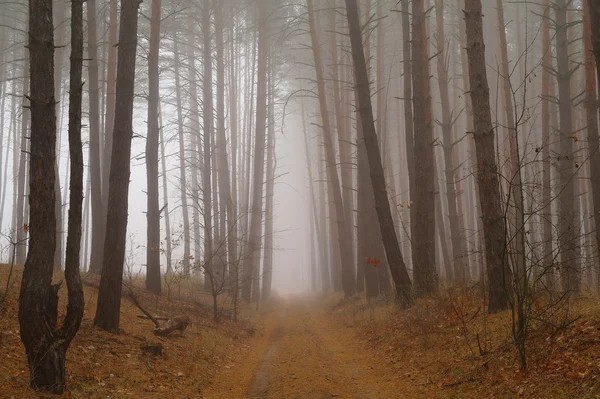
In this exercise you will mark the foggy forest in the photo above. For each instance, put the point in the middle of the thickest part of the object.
(299, 199)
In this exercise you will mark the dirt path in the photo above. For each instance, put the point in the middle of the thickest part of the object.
(305, 355)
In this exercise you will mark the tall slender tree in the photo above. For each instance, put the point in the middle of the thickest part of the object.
(384, 213)
(109, 294)
(152, 143)
(499, 275)
(425, 275)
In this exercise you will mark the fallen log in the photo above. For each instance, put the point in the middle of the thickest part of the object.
(177, 323)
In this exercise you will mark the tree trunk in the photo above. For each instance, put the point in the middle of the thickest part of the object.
(152, 212)
(21, 218)
(182, 161)
(109, 293)
(195, 161)
(384, 214)
(408, 119)
(249, 284)
(165, 207)
(499, 275)
(45, 345)
(318, 208)
(207, 97)
(98, 215)
(343, 134)
(267, 277)
(425, 275)
(111, 87)
(547, 265)
(567, 231)
(591, 41)
(233, 109)
(59, 37)
(456, 235)
(226, 213)
(515, 202)
(344, 233)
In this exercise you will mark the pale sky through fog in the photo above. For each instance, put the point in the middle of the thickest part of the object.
(291, 224)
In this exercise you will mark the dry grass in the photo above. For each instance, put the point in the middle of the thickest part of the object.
(449, 343)
(101, 364)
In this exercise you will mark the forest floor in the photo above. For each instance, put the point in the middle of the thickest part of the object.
(307, 347)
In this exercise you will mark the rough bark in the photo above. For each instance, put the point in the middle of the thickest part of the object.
(152, 211)
(384, 214)
(499, 275)
(425, 275)
(45, 344)
(591, 109)
(109, 293)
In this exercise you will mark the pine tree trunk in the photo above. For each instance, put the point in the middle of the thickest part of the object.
(344, 233)
(152, 212)
(45, 345)
(548, 267)
(425, 275)
(182, 161)
(589, 37)
(59, 38)
(165, 207)
(499, 275)
(384, 214)
(109, 293)
(316, 208)
(456, 235)
(111, 89)
(207, 137)
(267, 276)
(408, 120)
(516, 205)
(21, 218)
(249, 285)
(567, 236)
(227, 223)
(194, 150)
(98, 213)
